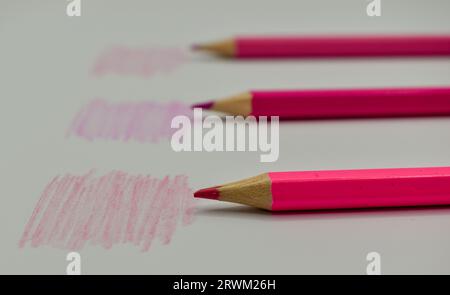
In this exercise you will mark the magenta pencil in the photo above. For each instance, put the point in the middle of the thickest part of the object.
(337, 103)
(329, 46)
(338, 189)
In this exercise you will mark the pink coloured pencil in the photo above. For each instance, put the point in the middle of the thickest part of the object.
(329, 46)
(339, 189)
(337, 103)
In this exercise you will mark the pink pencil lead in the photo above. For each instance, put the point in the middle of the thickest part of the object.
(203, 105)
(207, 193)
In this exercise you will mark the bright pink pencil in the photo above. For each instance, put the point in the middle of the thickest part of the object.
(331, 46)
(339, 189)
(337, 103)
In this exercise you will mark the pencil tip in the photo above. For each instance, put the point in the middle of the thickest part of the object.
(204, 105)
(208, 193)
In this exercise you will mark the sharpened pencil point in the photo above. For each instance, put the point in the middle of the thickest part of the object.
(226, 48)
(204, 105)
(208, 193)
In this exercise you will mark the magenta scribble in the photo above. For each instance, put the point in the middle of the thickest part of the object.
(143, 62)
(114, 208)
(140, 121)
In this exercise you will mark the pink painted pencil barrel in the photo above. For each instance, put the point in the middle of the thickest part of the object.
(345, 46)
(338, 189)
(360, 188)
(346, 103)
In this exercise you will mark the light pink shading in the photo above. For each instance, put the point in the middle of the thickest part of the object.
(114, 208)
(140, 61)
(140, 121)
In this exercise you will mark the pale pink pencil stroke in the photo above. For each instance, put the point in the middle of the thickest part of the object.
(112, 209)
(139, 61)
(139, 121)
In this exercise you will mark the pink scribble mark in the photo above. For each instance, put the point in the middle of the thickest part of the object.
(143, 62)
(140, 121)
(107, 210)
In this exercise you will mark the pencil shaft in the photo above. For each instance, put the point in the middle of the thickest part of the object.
(347, 103)
(312, 190)
(345, 46)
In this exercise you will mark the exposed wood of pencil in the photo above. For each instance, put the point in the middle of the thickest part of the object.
(225, 48)
(254, 191)
(237, 105)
